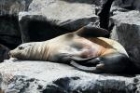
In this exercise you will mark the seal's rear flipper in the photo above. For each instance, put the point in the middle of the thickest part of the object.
(117, 63)
(91, 31)
(84, 68)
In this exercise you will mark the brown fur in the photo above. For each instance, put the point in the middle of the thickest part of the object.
(81, 49)
(69, 44)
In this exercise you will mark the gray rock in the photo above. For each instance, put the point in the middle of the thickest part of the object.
(62, 11)
(127, 31)
(125, 5)
(128, 4)
(13, 6)
(49, 77)
(68, 14)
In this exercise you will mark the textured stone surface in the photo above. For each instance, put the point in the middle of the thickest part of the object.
(62, 11)
(127, 31)
(48, 77)
(128, 4)
(125, 5)
(68, 14)
(13, 6)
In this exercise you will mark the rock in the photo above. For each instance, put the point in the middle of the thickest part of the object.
(13, 6)
(125, 5)
(126, 30)
(63, 11)
(9, 27)
(128, 4)
(67, 14)
(3, 52)
(38, 28)
(49, 77)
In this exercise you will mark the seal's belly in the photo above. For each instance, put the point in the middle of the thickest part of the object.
(81, 47)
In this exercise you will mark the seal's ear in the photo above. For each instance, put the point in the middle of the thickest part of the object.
(91, 31)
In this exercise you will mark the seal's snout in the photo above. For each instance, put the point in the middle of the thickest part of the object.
(10, 54)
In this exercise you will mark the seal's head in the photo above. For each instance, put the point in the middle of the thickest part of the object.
(31, 51)
(22, 51)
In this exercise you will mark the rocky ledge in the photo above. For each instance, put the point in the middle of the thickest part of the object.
(49, 77)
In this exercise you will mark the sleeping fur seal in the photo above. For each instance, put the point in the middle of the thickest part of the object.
(84, 49)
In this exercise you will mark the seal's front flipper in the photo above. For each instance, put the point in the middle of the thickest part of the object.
(84, 68)
(91, 31)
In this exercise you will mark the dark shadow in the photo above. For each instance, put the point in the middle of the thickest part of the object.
(9, 23)
(96, 2)
(104, 14)
(43, 30)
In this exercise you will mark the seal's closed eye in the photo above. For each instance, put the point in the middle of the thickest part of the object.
(20, 48)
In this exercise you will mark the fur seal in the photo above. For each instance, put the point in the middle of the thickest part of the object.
(84, 49)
